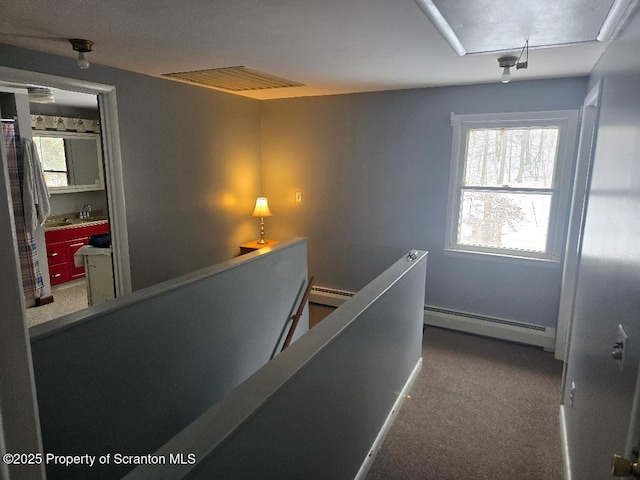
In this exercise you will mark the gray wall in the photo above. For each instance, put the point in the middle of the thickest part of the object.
(73, 202)
(373, 169)
(191, 166)
(609, 273)
(374, 172)
(128, 375)
(301, 426)
(55, 109)
(191, 161)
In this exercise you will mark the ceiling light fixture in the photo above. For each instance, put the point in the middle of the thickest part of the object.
(506, 63)
(510, 61)
(83, 47)
(41, 95)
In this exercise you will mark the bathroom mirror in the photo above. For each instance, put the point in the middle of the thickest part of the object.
(72, 162)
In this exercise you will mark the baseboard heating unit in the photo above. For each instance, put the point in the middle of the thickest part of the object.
(329, 296)
(504, 329)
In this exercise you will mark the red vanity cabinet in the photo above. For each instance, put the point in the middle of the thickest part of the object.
(58, 265)
(62, 243)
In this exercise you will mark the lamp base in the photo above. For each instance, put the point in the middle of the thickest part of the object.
(262, 241)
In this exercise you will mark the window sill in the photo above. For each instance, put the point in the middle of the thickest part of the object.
(504, 258)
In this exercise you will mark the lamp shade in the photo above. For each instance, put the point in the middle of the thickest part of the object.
(262, 208)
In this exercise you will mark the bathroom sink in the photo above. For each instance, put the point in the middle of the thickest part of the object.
(90, 219)
(57, 223)
(69, 222)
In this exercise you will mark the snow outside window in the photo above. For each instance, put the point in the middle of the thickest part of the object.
(509, 185)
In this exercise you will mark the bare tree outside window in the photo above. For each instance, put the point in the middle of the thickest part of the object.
(510, 184)
(54, 161)
(506, 193)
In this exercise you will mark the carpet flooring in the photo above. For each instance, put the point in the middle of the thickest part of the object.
(479, 409)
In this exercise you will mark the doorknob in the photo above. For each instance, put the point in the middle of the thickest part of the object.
(621, 467)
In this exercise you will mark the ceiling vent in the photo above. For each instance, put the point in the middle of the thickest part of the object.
(234, 79)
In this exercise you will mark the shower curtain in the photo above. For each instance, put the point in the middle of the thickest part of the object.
(32, 283)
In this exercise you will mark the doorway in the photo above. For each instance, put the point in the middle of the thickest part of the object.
(19, 418)
(96, 102)
(582, 180)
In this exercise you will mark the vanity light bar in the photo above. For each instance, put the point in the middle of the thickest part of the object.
(64, 124)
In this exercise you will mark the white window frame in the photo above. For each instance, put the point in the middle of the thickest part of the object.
(567, 121)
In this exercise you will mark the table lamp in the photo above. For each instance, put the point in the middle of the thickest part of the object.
(262, 210)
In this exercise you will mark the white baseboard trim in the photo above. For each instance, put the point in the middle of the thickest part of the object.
(501, 328)
(564, 439)
(382, 434)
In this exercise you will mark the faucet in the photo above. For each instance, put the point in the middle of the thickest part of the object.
(86, 211)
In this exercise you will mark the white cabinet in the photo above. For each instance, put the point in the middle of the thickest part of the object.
(99, 274)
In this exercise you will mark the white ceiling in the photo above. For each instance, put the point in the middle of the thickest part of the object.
(331, 46)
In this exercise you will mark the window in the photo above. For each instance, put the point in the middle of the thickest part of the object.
(54, 160)
(509, 184)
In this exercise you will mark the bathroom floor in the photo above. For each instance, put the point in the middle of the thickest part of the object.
(65, 300)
